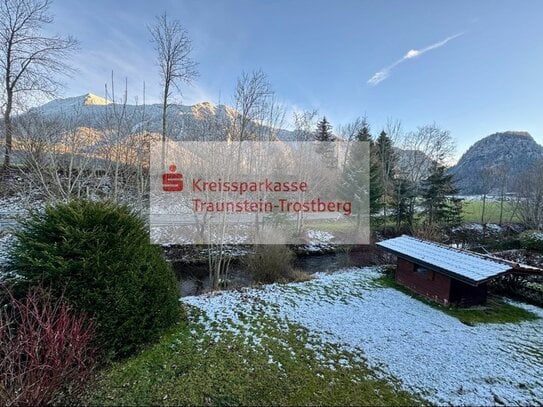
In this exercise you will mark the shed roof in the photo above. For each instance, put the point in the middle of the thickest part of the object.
(460, 264)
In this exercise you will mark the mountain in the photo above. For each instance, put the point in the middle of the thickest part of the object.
(509, 151)
(72, 104)
(95, 112)
(198, 121)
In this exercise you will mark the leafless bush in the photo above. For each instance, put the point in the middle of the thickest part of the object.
(428, 232)
(271, 263)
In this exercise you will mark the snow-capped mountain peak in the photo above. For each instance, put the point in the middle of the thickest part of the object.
(94, 100)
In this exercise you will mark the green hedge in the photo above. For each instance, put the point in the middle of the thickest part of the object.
(532, 240)
(99, 256)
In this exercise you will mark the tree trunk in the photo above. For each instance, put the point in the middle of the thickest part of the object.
(164, 111)
(502, 198)
(483, 209)
(8, 128)
(358, 221)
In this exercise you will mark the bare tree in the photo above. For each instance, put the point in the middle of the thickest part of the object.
(487, 183)
(57, 154)
(427, 146)
(304, 125)
(63, 159)
(275, 119)
(421, 151)
(30, 61)
(256, 117)
(253, 96)
(174, 48)
(502, 180)
(349, 131)
(394, 130)
(530, 191)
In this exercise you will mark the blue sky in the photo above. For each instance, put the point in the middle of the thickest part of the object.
(472, 67)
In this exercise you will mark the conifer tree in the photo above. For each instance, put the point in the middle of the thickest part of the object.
(376, 188)
(453, 214)
(387, 159)
(438, 190)
(402, 193)
(361, 181)
(324, 131)
(326, 147)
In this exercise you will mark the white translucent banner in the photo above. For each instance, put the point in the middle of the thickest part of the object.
(259, 192)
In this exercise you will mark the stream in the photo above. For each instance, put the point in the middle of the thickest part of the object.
(194, 279)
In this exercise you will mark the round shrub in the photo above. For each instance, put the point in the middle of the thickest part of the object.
(532, 240)
(98, 255)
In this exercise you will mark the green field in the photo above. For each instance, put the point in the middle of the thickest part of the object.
(473, 209)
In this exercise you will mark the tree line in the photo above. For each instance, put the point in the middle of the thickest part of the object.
(407, 172)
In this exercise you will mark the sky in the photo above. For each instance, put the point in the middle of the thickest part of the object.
(472, 67)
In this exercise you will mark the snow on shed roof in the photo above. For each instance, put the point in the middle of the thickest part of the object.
(463, 265)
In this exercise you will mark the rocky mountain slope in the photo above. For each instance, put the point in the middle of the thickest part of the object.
(196, 122)
(96, 112)
(510, 152)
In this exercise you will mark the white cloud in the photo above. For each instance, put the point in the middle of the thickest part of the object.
(412, 53)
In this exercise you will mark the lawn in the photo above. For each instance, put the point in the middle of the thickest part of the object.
(329, 225)
(472, 211)
(189, 367)
(338, 339)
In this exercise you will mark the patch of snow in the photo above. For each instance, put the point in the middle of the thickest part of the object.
(491, 228)
(6, 240)
(318, 241)
(488, 198)
(319, 236)
(536, 235)
(12, 208)
(474, 227)
(430, 352)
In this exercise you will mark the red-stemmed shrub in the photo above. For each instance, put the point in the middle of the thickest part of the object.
(46, 350)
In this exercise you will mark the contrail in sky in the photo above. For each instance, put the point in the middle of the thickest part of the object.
(413, 53)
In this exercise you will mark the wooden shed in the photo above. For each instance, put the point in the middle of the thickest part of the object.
(442, 273)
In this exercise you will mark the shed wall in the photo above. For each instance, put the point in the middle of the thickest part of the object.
(429, 283)
(465, 295)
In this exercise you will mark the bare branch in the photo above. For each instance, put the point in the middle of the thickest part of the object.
(173, 47)
(30, 63)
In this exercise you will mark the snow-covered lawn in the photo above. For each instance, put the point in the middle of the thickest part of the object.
(431, 353)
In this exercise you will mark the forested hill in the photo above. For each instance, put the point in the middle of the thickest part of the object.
(480, 168)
